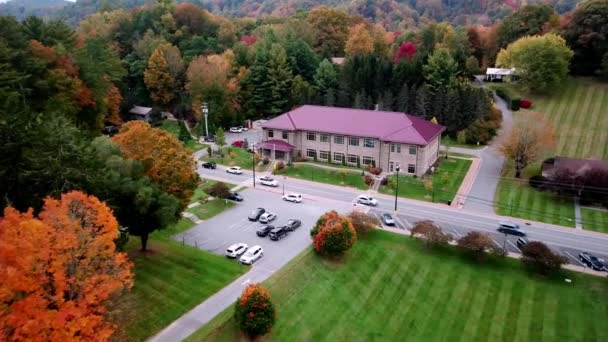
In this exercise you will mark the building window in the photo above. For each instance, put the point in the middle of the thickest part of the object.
(338, 139)
(285, 135)
(311, 136)
(353, 141)
(270, 133)
(324, 138)
(411, 168)
(395, 148)
(311, 153)
(352, 159)
(365, 160)
(324, 155)
(413, 149)
(368, 142)
(338, 157)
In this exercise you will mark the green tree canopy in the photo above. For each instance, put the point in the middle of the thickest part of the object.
(527, 21)
(441, 70)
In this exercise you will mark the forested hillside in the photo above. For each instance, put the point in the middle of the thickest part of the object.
(21, 9)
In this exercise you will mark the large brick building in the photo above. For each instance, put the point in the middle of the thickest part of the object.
(331, 134)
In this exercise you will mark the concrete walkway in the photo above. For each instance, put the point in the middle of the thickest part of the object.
(467, 183)
(578, 217)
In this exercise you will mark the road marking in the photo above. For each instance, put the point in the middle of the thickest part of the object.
(512, 244)
(246, 282)
(399, 221)
(570, 255)
(497, 244)
(455, 232)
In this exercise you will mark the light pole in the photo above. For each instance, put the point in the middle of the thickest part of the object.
(396, 187)
(206, 113)
(253, 164)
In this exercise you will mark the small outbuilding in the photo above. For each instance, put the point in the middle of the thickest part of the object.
(499, 74)
(140, 113)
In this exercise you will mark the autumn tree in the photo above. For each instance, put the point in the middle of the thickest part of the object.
(407, 51)
(537, 257)
(59, 269)
(479, 244)
(331, 30)
(362, 222)
(166, 161)
(254, 312)
(158, 78)
(540, 61)
(530, 139)
(333, 234)
(529, 20)
(359, 41)
(430, 233)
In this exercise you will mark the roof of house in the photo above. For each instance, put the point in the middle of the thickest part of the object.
(337, 60)
(500, 71)
(275, 144)
(137, 110)
(386, 126)
(576, 166)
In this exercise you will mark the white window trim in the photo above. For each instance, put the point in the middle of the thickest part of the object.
(271, 133)
(370, 141)
(340, 154)
(322, 135)
(308, 152)
(341, 137)
(324, 152)
(371, 160)
(353, 138)
(412, 166)
(415, 150)
(348, 158)
(308, 136)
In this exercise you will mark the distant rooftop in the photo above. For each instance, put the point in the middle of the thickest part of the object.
(137, 110)
(500, 71)
(386, 126)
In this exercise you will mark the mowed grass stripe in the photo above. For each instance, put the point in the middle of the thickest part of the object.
(469, 325)
(488, 308)
(586, 120)
(499, 318)
(513, 306)
(460, 312)
(603, 129)
(566, 124)
(525, 315)
(398, 323)
(424, 278)
(550, 324)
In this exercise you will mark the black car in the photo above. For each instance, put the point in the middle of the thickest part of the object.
(209, 165)
(521, 242)
(235, 196)
(293, 224)
(263, 232)
(209, 138)
(592, 261)
(256, 213)
(510, 228)
(278, 233)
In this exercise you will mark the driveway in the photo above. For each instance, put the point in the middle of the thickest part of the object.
(232, 226)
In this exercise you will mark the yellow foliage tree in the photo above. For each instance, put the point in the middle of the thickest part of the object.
(158, 78)
(360, 41)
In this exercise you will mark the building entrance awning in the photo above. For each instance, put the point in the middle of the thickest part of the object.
(276, 145)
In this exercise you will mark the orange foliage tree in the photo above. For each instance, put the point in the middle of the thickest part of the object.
(359, 41)
(166, 161)
(254, 312)
(158, 78)
(333, 234)
(112, 104)
(59, 269)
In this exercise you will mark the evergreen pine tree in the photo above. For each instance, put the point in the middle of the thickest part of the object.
(259, 81)
(422, 101)
(386, 101)
(279, 79)
(358, 101)
(330, 98)
(403, 98)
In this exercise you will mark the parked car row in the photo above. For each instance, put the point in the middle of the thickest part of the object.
(279, 232)
(238, 129)
(247, 255)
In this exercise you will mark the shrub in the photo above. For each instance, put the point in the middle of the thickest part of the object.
(384, 181)
(374, 170)
(219, 190)
(343, 161)
(525, 103)
(363, 223)
(265, 161)
(232, 154)
(209, 151)
(537, 257)
(289, 163)
(300, 159)
(246, 144)
(254, 312)
(478, 244)
(461, 137)
(333, 234)
(358, 162)
(430, 233)
(280, 166)
(515, 104)
(369, 180)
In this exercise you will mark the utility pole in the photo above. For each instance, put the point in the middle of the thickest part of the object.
(253, 164)
(396, 187)
(205, 108)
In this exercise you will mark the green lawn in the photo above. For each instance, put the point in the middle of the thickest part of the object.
(448, 141)
(336, 165)
(389, 289)
(241, 158)
(322, 175)
(199, 193)
(170, 279)
(594, 219)
(445, 186)
(172, 127)
(577, 109)
(211, 208)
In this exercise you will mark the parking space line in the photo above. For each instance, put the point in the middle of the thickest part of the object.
(455, 232)
(512, 244)
(497, 244)
(407, 224)
(575, 259)
(399, 221)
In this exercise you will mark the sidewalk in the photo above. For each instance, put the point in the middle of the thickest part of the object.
(467, 182)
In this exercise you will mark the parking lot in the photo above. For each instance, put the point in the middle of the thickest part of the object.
(232, 226)
(509, 242)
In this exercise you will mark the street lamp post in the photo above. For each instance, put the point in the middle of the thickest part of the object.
(396, 187)
(205, 108)
(253, 164)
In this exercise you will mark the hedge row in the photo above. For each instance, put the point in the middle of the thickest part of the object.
(511, 99)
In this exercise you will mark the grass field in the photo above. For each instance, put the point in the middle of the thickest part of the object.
(594, 219)
(448, 141)
(445, 186)
(199, 193)
(389, 289)
(211, 208)
(322, 175)
(241, 158)
(173, 128)
(170, 279)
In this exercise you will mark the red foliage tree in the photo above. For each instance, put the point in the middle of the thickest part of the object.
(406, 51)
(254, 312)
(333, 234)
(58, 270)
(248, 39)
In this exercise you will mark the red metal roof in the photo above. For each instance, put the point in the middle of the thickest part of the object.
(277, 145)
(386, 126)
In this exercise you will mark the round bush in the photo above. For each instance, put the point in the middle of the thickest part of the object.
(538, 182)
(254, 312)
(333, 234)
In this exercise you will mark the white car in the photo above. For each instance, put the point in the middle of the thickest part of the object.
(236, 130)
(252, 255)
(267, 217)
(295, 198)
(234, 170)
(236, 250)
(269, 181)
(367, 200)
